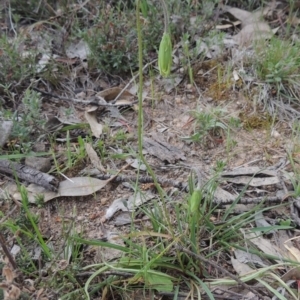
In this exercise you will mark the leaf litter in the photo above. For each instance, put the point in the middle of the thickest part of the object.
(99, 202)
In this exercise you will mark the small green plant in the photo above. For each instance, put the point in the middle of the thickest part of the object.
(120, 136)
(113, 40)
(27, 235)
(194, 202)
(40, 200)
(295, 180)
(13, 67)
(150, 256)
(74, 153)
(32, 10)
(230, 143)
(206, 123)
(234, 122)
(28, 120)
(100, 147)
(33, 219)
(220, 165)
(279, 62)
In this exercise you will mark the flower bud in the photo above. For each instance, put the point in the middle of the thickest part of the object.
(165, 55)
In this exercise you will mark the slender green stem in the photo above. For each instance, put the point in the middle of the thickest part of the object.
(140, 90)
(140, 109)
(166, 15)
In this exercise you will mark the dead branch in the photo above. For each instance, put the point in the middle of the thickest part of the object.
(94, 102)
(184, 187)
(29, 174)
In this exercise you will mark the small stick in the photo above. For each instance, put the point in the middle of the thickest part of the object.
(100, 102)
(7, 253)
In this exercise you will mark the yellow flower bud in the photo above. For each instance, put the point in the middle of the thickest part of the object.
(165, 55)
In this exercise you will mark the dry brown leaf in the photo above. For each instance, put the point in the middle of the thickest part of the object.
(221, 195)
(112, 93)
(34, 191)
(132, 203)
(9, 274)
(249, 171)
(253, 32)
(12, 292)
(259, 181)
(246, 257)
(260, 221)
(29, 284)
(244, 16)
(78, 186)
(293, 253)
(291, 274)
(253, 28)
(240, 268)
(294, 20)
(81, 186)
(96, 127)
(95, 160)
(60, 265)
(264, 245)
(79, 49)
(108, 254)
(40, 293)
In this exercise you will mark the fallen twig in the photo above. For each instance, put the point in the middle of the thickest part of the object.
(96, 102)
(29, 174)
(7, 253)
(184, 187)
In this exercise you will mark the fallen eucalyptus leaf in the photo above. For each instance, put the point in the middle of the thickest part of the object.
(92, 120)
(132, 203)
(81, 186)
(247, 180)
(95, 160)
(77, 186)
